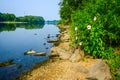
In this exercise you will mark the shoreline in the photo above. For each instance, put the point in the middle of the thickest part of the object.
(60, 67)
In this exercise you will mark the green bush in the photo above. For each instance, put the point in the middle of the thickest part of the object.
(98, 26)
(114, 64)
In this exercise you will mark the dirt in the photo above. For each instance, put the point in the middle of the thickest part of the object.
(60, 70)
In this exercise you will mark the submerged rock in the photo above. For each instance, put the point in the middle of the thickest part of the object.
(6, 63)
(44, 43)
(35, 33)
(19, 66)
(46, 48)
(40, 54)
(48, 36)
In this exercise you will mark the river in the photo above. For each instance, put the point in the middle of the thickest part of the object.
(15, 39)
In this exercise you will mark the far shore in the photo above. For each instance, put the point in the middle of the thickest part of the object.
(12, 22)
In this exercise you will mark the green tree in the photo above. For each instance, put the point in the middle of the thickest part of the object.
(67, 8)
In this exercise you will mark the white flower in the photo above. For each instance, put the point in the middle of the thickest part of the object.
(89, 27)
(76, 38)
(80, 43)
(76, 28)
(95, 18)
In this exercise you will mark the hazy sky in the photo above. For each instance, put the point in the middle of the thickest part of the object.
(49, 9)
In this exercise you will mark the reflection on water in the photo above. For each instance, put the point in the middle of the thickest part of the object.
(12, 27)
(15, 39)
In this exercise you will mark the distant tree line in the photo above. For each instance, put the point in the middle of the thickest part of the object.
(7, 17)
(29, 19)
(55, 22)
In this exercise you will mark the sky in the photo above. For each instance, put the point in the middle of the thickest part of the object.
(48, 9)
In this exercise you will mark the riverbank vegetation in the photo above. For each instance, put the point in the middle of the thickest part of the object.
(11, 18)
(95, 27)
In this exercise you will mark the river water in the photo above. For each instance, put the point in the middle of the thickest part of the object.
(15, 39)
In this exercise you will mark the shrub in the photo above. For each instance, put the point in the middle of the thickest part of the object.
(97, 26)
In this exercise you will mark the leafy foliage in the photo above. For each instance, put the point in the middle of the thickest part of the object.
(29, 19)
(33, 19)
(114, 64)
(104, 23)
(67, 9)
(7, 17)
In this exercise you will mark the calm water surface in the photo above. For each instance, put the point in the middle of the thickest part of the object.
(19, 38)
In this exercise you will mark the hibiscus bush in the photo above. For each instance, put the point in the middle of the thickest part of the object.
(96, 27)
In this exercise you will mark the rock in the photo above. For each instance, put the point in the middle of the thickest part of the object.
(63, 54)
(35, 33)
(53, 52)
(29, 52)
(57, 35)
(48, 36)
(6, 63)
(56, 51)
(19, 66)
(44, 43)
(56, 43)
(65, 37)
(75, 56)
(52, 41)
(67, 40)
(99, 71)
(46, 48)
(40, 54)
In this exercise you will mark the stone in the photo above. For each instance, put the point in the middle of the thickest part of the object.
(19, 66)
(40, 54)
(29, 52)
(99, 71)
(57, 35)
(53, 52)
(65, 37)
(63, 54)
(75, 56)
(6, 63)
(52, 41)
